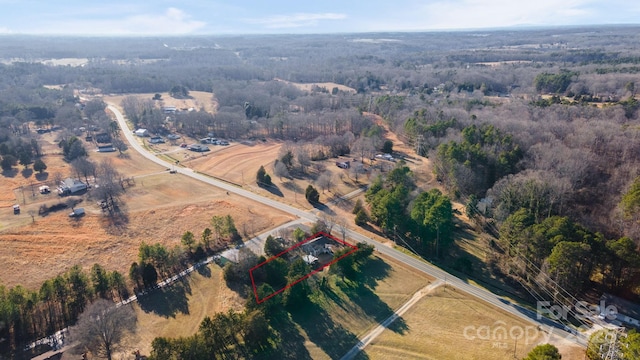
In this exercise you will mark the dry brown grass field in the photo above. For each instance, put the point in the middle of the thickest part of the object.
(326, 85)
(436, 330)
(199, 99)
(160, 207)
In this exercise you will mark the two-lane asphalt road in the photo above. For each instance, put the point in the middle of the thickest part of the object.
(420, 265)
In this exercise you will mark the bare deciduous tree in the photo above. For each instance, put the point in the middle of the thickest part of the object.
(84, 167)
(280, 170)
(303, 158)
(102, 326)
(341, 223)
(109, 187)
(325, 181)
(120, 145)
(364, 148)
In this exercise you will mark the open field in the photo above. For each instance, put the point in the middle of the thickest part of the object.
(239, 164)
(448, 317)
(160, 207)
(179, 309)
(200, 99)
(326, 85)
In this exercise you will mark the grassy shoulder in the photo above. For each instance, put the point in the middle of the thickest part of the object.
(478, 330)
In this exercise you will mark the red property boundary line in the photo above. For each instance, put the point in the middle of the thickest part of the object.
(314, 236)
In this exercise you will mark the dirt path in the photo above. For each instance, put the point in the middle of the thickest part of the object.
(373, 334)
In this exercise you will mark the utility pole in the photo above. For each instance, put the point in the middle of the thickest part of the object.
(613, 352)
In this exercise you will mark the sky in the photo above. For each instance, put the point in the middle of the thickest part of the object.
(225, 17)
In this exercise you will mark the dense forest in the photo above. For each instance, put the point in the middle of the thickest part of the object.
(536, 132)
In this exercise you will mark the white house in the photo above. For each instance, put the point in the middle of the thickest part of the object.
(169, 109)
(141, 132)
(310, 259)
(71, 186)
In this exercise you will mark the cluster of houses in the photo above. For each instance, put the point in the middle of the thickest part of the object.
(213, 141)
(200, 147)
(154, 139)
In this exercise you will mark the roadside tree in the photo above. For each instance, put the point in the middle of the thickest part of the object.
(102, 326)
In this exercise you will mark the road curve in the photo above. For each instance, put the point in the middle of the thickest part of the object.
(451, 280)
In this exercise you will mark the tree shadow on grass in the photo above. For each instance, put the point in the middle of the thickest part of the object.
(373, 271)
(116, 223)
(293, 187)
(331, 294)
(204, 270)
(371, 305)
(42, 176)
(360, 291)
(273, 188)
(27, 172)
(332, 338)
(292, 344)
(324, 208)
(11, 173)
(167, 301)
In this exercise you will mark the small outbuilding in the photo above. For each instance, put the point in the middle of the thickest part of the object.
(106, 148)
(156, 140)
(77, 212)
(198, 148)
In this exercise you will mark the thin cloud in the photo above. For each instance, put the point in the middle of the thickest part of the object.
(295, 20)
(475, 14)
(172, 21)
(497, 13)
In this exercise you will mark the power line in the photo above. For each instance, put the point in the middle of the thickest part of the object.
(561, 296)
